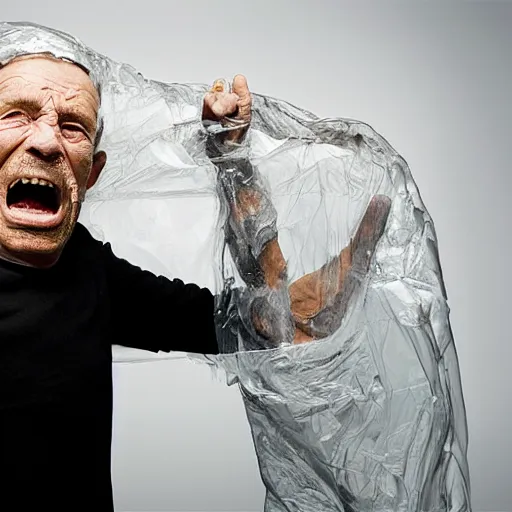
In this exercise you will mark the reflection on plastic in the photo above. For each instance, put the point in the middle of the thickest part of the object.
(370, 414)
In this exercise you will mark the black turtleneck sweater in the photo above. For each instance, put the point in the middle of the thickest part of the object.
(57, 328)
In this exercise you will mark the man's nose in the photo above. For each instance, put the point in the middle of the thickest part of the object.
(45, 142)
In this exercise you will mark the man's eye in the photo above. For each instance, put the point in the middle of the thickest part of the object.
(73, 132)
(14, 115)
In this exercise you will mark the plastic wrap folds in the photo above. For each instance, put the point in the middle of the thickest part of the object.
(370, 415)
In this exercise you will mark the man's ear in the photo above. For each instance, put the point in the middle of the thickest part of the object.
(98, 162)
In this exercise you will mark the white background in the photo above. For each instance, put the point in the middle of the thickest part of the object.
(435, 79)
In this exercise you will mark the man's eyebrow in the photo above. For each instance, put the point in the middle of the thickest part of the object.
(32, 105)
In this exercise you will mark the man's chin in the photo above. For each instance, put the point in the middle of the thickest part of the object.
(40, 256)
(33, 247)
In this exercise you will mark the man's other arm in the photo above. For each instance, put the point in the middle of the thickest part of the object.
(155, 313)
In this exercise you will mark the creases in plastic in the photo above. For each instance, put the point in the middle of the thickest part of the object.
(370, 414)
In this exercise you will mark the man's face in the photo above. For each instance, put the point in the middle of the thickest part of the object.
(48, 117)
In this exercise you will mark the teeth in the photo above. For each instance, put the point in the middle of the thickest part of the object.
(33, 181)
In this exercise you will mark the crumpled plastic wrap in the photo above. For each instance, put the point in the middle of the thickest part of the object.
(369, 418)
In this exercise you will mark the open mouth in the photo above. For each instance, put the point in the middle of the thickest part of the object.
(34, 195)
(33, 203)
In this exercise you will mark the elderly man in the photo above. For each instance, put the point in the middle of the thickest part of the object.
(66, 298)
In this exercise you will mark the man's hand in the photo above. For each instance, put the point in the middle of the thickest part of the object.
(231, 108)
(320, 299)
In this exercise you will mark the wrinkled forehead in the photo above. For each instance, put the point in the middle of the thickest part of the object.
(46, 73)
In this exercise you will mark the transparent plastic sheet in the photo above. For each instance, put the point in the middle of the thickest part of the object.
(371, 416)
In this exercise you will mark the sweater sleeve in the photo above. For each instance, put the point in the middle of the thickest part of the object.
(154, 313)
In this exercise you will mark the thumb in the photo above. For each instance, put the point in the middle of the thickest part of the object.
(240, 86)
(241, 89)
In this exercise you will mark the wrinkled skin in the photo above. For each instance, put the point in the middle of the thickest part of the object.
(48, 121)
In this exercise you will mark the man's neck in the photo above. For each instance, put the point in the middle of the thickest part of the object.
(31, 261)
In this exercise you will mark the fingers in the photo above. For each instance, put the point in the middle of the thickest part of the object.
(220, 103)
(218, 86)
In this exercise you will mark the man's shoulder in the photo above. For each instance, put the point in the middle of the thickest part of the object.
(82, 244)
(82, 235)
